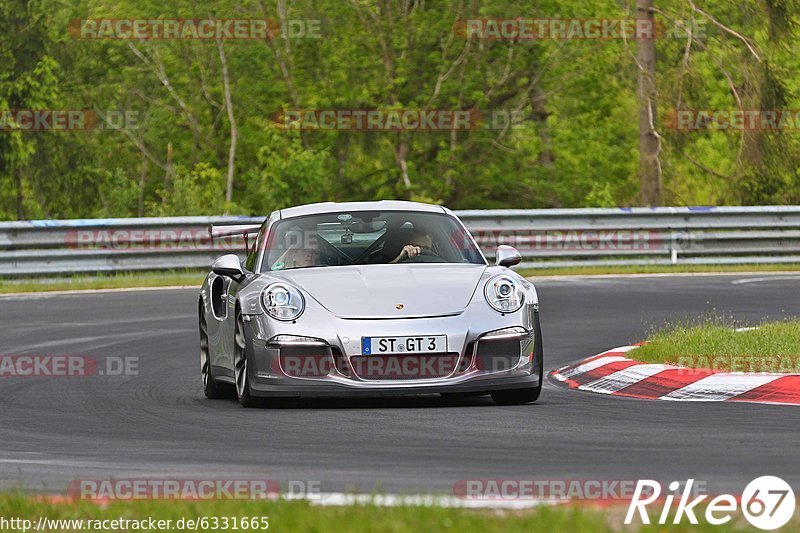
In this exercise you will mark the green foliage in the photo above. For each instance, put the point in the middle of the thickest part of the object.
(288, 174)
(28, 80)
(194, 191)
(118, 194)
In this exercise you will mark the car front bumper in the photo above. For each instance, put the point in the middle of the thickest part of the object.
(326, 359)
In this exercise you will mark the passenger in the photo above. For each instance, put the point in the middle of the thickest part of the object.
(297, 258)
(305, 257)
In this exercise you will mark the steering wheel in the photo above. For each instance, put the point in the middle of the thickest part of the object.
(425, 256)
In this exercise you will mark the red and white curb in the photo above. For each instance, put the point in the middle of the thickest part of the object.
(613, 373)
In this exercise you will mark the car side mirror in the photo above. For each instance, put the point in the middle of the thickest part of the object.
(507, 256)
(229, 266)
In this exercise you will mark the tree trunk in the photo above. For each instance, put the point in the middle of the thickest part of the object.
(231, 119)
(400, 154)
(649, 140)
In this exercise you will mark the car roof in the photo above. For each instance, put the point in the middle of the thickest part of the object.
(382, 205)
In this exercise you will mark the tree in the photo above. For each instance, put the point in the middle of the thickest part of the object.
(28, 81)
(649, 138)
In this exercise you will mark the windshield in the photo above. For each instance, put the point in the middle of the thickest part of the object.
(368, 237)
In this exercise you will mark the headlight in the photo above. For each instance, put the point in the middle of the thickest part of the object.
(282, 301)
(504, 294)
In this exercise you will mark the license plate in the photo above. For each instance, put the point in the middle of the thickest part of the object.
(406, 345)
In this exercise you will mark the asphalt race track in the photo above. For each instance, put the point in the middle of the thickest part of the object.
(158, 424)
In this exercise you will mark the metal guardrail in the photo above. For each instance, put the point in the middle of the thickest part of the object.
(545, 237)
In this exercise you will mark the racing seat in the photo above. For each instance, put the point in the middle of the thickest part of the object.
(394, 242)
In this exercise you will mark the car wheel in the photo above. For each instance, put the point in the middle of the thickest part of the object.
(211, 388)
(240, 373)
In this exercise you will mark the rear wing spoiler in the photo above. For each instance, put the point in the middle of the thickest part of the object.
(245, 230)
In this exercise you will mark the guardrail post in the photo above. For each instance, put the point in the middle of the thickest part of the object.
(673, 248)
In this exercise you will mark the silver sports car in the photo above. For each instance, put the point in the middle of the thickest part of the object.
(368, 298)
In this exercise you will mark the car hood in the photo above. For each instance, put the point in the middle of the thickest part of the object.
(390, 291)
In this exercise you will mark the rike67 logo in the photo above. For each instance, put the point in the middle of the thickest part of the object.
(767, 502)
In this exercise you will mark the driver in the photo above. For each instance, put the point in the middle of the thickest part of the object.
(419, 242)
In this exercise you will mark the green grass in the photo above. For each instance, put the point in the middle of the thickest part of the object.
(656, 269)
(300, 516)
(715, 343)
(118, 281)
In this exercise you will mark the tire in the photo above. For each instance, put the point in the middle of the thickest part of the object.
(528, 394)
(212, 389)
(240, 366)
